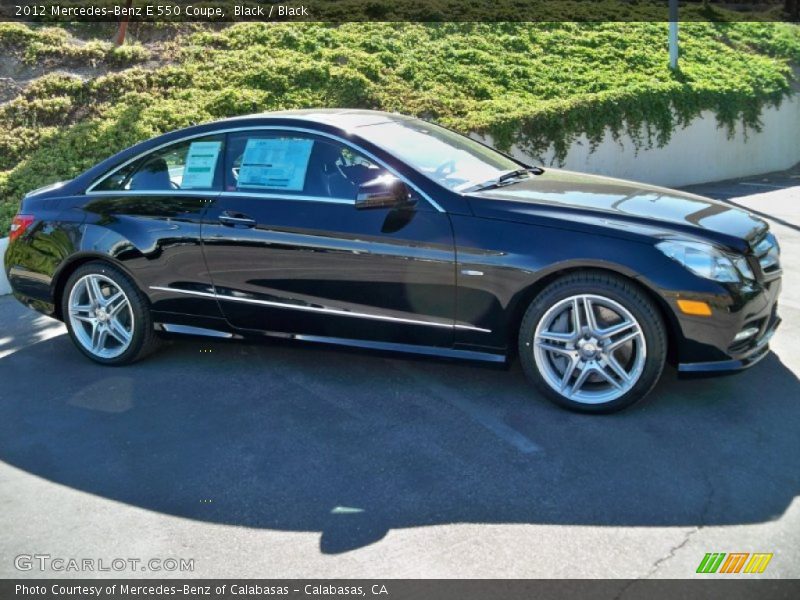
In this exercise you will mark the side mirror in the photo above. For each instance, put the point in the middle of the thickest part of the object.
(383, 192)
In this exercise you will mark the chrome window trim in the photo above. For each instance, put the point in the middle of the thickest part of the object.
(304, 197)
(211, 194)
(91, 191)
(208, 193)
(320, 309)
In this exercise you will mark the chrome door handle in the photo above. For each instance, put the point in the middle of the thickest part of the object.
(232, 219)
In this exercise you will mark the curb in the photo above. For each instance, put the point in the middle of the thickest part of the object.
(5, 287)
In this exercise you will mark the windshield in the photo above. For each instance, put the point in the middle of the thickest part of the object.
(450, 159)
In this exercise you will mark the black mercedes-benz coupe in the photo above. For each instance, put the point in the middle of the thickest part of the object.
(387, 232)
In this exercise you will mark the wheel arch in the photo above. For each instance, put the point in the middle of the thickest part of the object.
(72, 264)
(524, 297)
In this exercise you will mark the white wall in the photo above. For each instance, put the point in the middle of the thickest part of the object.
(4, 287)
(698, 153)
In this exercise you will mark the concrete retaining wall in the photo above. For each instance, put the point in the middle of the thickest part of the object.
(4, 287)
(698, 153)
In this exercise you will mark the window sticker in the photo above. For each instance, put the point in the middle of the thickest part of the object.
(201, 164)
(275, 163)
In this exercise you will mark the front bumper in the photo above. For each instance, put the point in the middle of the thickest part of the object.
(734, 365)
(708, 345)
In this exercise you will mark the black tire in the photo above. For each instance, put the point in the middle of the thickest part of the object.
(620, 290)
(144, 339)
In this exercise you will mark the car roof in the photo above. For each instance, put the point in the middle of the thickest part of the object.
(344, 118)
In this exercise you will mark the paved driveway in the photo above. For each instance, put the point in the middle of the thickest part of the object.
(282, 460)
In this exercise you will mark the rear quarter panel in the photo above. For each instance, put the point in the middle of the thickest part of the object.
(33, 259)
(154, 242)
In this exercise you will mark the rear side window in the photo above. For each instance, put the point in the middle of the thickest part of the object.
(190, 165)
(295, 164)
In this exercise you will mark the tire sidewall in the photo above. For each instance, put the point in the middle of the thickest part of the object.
(634, 301)
(140, 312)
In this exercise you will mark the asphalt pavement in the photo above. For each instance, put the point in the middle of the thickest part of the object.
(288, 460)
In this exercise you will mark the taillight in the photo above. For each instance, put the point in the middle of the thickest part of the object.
(18, 226)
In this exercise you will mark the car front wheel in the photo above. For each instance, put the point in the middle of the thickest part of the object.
(593, 343)
(107, 316)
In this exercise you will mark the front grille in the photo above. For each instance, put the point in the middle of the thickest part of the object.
(768, 254)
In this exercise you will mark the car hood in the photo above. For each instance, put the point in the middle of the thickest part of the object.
(636, 208)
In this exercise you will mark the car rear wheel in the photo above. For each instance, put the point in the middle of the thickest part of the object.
(107, 316)
(593, 343)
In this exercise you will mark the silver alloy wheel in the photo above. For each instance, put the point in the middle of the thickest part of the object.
(101, 316)
(590, 349)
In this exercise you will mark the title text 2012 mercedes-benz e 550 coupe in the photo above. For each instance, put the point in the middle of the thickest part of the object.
(386, 232)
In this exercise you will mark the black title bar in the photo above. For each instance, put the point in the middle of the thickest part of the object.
(740, 588)
(395, 10)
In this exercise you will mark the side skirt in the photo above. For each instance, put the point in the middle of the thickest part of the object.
(180, 328)
(191, 330)
(392, 347)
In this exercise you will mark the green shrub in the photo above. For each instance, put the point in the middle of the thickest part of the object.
(35, 45)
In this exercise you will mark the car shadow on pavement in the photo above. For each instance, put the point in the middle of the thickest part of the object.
(353, 444)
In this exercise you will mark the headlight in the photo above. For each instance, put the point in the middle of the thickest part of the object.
(707, 261)
(768, 253)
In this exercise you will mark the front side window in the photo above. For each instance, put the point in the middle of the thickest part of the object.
(295, 164)
(189, 165)
(450, 159)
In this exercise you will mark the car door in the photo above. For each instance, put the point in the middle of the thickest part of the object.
(288, 252)
(151, 211)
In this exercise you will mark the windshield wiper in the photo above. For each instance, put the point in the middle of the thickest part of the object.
(505, 179)
(519, 172)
